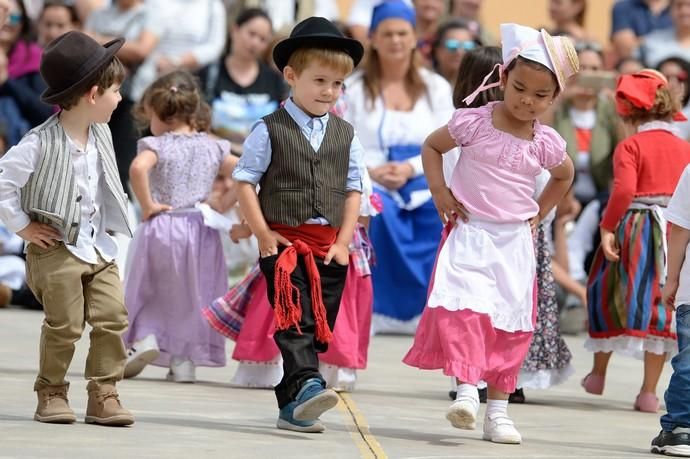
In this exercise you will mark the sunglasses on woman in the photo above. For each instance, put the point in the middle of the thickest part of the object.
(14, 19)
(456, 45)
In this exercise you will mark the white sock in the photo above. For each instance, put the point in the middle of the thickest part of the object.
(468, 392)
(496, 408)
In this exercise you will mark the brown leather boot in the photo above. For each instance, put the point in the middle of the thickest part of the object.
(104, 407)
(53, 405)
(5, 295)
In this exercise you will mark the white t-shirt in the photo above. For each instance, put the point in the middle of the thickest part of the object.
(678, 213)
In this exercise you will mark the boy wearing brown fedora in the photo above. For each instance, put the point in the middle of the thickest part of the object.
(60, 191)
(307, 163)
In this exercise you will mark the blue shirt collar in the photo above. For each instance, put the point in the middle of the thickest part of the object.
(301, 118)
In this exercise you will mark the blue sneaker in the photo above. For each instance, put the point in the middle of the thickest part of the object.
(313, 400)
(287, 422)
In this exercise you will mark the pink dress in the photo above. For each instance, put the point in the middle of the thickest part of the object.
(480, 312)
(246, 317)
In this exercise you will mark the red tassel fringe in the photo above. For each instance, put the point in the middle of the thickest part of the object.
(287, 301)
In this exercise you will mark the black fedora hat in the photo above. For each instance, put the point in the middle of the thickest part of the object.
(70, 61)
(316, 32)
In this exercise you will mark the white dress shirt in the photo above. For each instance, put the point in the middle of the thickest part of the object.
(18, 165)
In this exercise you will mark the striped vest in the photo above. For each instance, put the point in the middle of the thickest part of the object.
(300, 183)
(51, 195)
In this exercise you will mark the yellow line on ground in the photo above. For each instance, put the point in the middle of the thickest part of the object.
(358, 427)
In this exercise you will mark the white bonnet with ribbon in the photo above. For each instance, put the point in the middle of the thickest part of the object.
(555, 53)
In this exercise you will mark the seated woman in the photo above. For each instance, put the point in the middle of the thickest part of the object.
(57, 18)
(677, 71)
(453, 40)
(240, 87)
(393, 104)
(587, 120)
(20, 82)
(670, 41)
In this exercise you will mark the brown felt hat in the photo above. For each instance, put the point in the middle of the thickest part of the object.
(70, 61)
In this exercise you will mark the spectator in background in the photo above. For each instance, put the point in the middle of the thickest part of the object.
(633, 19)
(453, 40)
(239, 86)
(629, 65)
(13, 288)
(142, 28)
(469, 10)
(57, 17)
(571, 293)
(677, 70)
(187, 41)
(360, 18)
(586, 118)
(671, 41)
(84, 8)
(568, 17)
(394, 104)
(20, 82)
(428, 14)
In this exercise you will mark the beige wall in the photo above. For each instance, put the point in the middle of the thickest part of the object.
(535, 13)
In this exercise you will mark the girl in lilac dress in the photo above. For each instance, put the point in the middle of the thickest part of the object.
(480, 313)
(176, 263)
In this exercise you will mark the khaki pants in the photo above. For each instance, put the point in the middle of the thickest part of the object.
(74, 292)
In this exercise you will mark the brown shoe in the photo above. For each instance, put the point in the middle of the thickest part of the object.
(104, 407)
(53, 406)
(5, 296)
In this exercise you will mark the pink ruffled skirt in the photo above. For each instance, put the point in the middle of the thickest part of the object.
(465, 344)
(350, 337)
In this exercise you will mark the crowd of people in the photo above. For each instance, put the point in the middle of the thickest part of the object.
(297, 190)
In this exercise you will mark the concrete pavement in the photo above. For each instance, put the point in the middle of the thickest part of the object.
(396, 412)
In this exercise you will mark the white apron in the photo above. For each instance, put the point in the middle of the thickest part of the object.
(489, 268)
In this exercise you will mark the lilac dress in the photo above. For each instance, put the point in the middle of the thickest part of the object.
(176, 264)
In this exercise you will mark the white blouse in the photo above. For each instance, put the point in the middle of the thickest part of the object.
(379, 128)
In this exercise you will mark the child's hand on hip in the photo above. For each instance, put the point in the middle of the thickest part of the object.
(609, 245)
(153, 210)
(448, 208)
(40, 234)
(534, 222)
(338, 252)
(668, 293)
(268, 243)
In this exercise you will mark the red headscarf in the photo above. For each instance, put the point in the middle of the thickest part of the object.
(639, 90)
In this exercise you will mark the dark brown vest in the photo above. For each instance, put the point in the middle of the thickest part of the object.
(300, 183)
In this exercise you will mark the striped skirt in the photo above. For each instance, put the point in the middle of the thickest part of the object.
(624, 304)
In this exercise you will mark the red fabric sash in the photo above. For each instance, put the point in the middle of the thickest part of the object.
(307, 241)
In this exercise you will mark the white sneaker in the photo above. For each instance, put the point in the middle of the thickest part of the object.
(462, 414)
(500, 429)
(141, 354)
(182, 370)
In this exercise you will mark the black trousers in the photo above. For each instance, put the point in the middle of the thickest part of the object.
(300, 361)
(25, 297)
(125, 138)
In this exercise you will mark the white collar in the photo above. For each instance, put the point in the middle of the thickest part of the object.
(659, 125)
